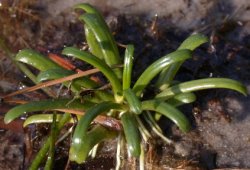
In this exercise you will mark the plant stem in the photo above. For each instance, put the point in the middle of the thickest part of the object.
(50, 159)
(142, 157)
(43, 151)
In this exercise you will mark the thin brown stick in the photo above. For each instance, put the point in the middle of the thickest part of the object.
(15, 101)
(63, 62)
(53, 82)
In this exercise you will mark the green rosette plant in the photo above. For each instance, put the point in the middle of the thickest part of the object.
(123, 101)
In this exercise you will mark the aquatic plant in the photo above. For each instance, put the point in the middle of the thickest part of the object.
(119, 108)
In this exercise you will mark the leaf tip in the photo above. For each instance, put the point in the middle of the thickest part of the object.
(7, 120)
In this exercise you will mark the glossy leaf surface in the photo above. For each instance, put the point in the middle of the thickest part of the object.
(191, 43)
(36, 60)
(133, 101)
(169, 111)
(98, 63)
(128, 65)
(53, 73)
(182, 98)
(80, 138)
(105, 40)
(93, 137)
(132, 134)
(103, 35)
(45, 105)
(201, 84)
(94, 47)
(41, 118)
(157, 67)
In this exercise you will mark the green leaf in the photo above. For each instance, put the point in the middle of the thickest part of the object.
(91, 10)
(104, 38)
(169, 111)
(132, 133)
(201, 84)
(53, 134)
(178, 100)
(128, 64)
(51, 70)
(36, 60)
(157, 67)
(133, 101)
(53, 73)
(90, 115)
(41, 118)
(93, 137)
(191, 43)
(80, 135)
(94, 47)
(104, 95)
(96, 62)
(45, 105)
(20, 66)
(182, 98)
(40, 156)
(83, 83)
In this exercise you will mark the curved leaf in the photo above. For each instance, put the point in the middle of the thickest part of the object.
(53, 73)
(36, 60)
(94, 47)
(133, 101)
(169, 111)
(91, 10)
(93, 137)
(90, 115)
(132, 134)
(80, 135)
(128, 64)
(157, 67)
(201, 84)
(96, 62)
(178, 100)
(50, 69)
(45, 105)
(105, 40)
(192, 42)
(41, 118)
(182, 98)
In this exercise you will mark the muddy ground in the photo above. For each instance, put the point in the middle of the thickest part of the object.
(221, 119)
